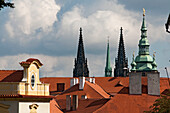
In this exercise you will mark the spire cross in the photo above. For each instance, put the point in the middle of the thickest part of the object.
(121, 30)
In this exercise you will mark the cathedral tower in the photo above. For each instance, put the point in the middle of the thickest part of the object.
(81, 68)
(121, 62)
(108, 69)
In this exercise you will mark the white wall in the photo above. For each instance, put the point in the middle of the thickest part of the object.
(44, 107)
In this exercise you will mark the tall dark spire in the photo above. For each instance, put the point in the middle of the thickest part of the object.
(81, 68)
(121, 62)
(108, 68)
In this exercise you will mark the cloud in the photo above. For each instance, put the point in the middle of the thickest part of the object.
(54, 66)
(48, 30)
(31, 15)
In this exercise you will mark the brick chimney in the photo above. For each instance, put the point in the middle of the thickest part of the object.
(81, 83)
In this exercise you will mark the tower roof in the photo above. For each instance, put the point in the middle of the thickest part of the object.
(80, 53)
(108, 67)
(121, 62)
(81, 68)
(144, 62)
(121, 51)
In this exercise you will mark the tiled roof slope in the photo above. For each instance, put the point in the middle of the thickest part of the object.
(92, 91)
(124, 103)
(85, 105)
(54, 107)
(11, 75)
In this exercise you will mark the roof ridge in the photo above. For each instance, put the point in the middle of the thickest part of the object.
(11, 70)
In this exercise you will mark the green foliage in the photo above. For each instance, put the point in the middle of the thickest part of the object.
(161, 105)
(6, 4)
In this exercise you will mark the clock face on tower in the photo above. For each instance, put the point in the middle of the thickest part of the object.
(32, 81)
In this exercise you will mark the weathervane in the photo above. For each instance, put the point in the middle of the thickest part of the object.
(167, 24)
(143, 12)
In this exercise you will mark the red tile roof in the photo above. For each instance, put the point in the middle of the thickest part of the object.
(91, 90)
(121, 102)
(30, 60)
(84, 106)
(11, 75)
(125, 103)
(54, 107)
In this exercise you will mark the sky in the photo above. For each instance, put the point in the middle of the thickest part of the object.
(49, 30)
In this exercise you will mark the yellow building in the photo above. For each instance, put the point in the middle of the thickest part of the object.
(20, 89)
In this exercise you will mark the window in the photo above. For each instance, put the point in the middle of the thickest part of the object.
(60, 87)
(32, 80)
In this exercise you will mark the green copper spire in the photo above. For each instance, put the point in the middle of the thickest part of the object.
(144, 62)
(108, 69)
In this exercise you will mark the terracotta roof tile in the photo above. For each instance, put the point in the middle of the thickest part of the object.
(30, 60)
(54, 107)
(125, 103)
(11, 75)
(85, 105)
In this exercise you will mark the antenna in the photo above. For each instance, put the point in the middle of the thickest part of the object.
(167, 74)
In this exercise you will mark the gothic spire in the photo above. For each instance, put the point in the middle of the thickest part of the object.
(81, 68)
(108, 69)
(121, 62)
(80, 53)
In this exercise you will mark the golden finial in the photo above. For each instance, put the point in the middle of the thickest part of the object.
(133, 53)
(143, 12)
(154, 54)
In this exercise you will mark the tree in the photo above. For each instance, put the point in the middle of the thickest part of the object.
(161, 105)
(6, 4)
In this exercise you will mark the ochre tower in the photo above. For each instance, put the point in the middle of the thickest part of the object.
(144, 62)
(81, 68)
(108, 68)
(121, 62)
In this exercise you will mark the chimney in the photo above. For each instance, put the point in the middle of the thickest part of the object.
(153, 83)
(93, 80)
(81, 83)
(135, 85)
(68, 102)
(73, 81)
(75, 102)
